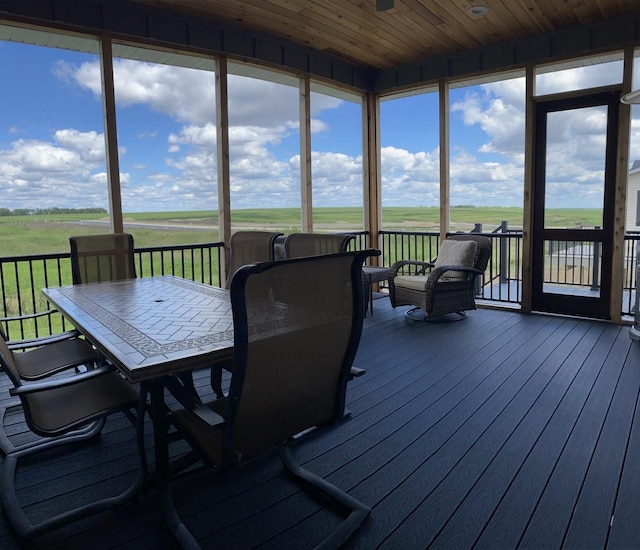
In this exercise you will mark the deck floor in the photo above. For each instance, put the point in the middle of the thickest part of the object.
(502, 431)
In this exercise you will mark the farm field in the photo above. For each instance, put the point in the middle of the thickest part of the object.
(21, 235)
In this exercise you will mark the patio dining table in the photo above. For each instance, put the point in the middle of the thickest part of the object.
(151, 328)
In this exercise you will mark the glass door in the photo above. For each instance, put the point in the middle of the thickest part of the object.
(572, 243)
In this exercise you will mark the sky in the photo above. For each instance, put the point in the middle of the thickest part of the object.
(52, 149)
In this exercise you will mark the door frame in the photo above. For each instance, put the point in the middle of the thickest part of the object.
(589, 306)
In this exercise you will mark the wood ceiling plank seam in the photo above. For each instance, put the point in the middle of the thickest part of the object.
(293, 26)
(400, 42)
(585, 12)
(444, 42)
(453, 25)
(543, 12)
(608, 9)
(516, 12)
(398, 32)
(501, 19)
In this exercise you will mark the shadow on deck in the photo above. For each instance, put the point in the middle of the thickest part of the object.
(503, 430)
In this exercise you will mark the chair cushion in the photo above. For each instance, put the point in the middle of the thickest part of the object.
(453, 252)
(414, 282)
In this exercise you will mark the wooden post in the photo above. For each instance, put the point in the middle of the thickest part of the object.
(111, 134)
(222, 134)
(622, 173)
(445, 187)
(371, 164)
(306, 189)
(527, 214)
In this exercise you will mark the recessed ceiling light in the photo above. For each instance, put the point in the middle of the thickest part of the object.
(478, 10)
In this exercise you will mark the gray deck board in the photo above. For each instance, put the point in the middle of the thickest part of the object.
(501, 431)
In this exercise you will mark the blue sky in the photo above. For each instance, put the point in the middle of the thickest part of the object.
(52, 139)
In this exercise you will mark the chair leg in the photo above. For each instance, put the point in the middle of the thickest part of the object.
(178, 529)
(417, 314)
(216, 380)
(358, 511)
(82, 434)
(16, 515)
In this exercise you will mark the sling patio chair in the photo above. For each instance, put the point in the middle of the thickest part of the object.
(102, 257)
(245, 247)
(446, 286)
(56, 409)
(298, 245)
(248, 247)
(38, 358)
(293, 350)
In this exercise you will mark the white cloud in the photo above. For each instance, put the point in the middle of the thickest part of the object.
(65, 172)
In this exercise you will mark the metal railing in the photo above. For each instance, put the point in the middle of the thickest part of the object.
(502, 281)
(23, 277)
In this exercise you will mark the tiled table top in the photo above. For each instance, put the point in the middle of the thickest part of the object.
(151, 326)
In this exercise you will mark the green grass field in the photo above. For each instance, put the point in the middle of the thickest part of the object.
(34, 235)
(20, 235)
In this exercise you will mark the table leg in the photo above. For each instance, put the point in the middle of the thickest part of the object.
(160, 438)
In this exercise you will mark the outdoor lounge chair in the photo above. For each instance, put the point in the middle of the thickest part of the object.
(102, 257)
(39, 358)
(55, 409)
(293, 350)
(445, 286)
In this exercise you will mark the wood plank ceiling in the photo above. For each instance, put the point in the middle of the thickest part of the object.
(411, 30)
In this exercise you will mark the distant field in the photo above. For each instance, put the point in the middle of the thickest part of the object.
(39, 234)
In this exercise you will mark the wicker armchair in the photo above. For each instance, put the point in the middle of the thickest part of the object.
(446, 286)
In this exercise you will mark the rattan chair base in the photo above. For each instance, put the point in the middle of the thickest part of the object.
(418, 314)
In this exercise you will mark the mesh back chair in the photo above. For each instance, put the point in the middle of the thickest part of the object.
(298, 245)
(39, 358)
(297, 327)
(247, 247)
(107, 257)
(448, 285)
(56, 409)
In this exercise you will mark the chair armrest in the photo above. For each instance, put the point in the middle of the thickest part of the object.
(420, 267)
(439, 271)
(41, 340)
(28, 388)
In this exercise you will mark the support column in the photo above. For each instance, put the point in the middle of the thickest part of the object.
(445, 198)
(372, 191)
(622, 173)
(306, 187)
(222, 138)
(528, 204)
(111, 134)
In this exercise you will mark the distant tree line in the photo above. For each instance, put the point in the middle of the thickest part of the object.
(49, 211)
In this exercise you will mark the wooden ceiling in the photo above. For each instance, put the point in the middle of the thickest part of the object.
(412, 30)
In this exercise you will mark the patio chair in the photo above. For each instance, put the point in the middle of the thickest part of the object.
(39, 358)
(298, 245)
(102, 257)
(247, 247)
(293, 350)
(57, 409)
(446, 286)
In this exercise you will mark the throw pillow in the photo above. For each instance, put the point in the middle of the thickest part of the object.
(453, 252)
